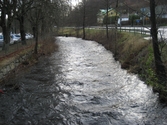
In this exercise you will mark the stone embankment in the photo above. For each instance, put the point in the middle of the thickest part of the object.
(7, 67)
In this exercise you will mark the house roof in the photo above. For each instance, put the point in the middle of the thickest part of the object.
(104, 11)
(124, 16)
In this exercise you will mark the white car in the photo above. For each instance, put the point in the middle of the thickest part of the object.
(16, 38)
(29, 36)
(2, 40)
(11, 40)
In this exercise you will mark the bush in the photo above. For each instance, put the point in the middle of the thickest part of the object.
(48, 45)
(110, 20)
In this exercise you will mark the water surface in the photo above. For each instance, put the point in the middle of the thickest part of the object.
(81, 84)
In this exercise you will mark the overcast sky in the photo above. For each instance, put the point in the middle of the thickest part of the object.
(74, 2)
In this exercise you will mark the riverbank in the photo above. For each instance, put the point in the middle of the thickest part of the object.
(22, 59)
(134, 53)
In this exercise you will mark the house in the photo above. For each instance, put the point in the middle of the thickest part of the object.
(123, 19)
(160, 10)
(100, 16)
(103, 12)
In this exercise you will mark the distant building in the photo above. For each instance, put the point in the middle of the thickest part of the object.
(103, 12)
(160, 10)
(123, 19)
(100, 16)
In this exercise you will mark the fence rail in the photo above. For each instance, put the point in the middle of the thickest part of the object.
(141, 30)
(162, 32)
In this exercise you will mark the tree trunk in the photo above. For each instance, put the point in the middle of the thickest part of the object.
(22, 30)
(160, 69)
(43, 28)
(107, 5)
(116, 27)
(33, 30)
(84, 16)
(6, 25)
(6, 37)
(36, 40)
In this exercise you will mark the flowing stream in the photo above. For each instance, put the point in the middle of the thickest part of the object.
(81, 84)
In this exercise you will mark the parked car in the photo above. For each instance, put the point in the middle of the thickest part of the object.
(11, 40)
(29, 36)
(16, 38)
(2, 40)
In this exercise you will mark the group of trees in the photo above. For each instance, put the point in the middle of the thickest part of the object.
(77, 13)
(38, 15)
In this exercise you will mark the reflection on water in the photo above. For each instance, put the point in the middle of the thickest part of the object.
(80, 85)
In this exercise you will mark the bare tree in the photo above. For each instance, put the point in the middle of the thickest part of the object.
(42, 16)
(8, 10)
(160, 69)
(23, 6)
(83, 18)
(92, 8)
(53, 11)
(35, 17)
(107, 6)
(116, 27)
